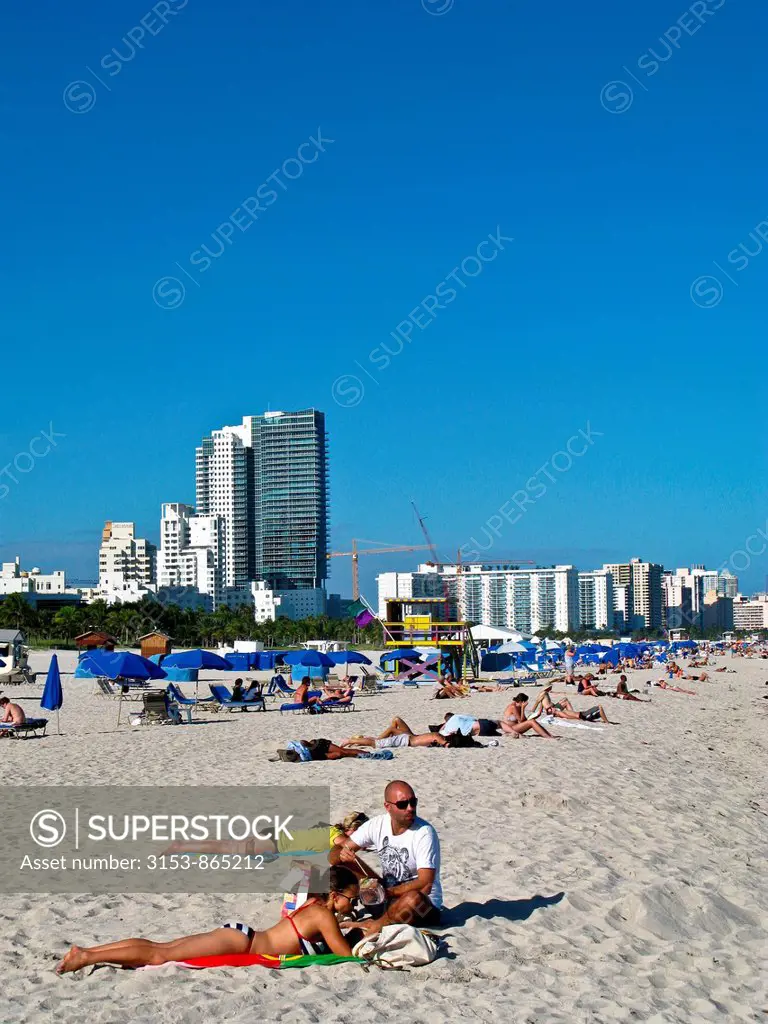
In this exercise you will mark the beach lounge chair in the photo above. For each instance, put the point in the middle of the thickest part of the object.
(158, 709)
(276, 689)
(104, 687)
(223, 699)
(31, 727)
(186, 702)
(327, 705)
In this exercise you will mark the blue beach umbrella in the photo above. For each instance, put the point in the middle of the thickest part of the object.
(308, 659)
(197, 659)
(122, 665)
(53, 695)
(349, 658)
(398, 653)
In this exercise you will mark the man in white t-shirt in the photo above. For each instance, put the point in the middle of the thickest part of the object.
(409, 851)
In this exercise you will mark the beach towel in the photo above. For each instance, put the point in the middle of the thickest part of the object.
(568, 723)
(277, 963)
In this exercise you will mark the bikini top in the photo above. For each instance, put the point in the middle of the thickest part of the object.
(306, 947)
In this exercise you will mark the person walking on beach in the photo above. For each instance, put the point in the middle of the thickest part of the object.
(570, 655)
(409, 851)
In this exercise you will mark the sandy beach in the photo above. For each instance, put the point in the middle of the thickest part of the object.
(615, 875)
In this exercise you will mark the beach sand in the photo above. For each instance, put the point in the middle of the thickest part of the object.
(615, 875)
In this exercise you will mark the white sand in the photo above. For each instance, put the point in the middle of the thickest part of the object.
(654, 829)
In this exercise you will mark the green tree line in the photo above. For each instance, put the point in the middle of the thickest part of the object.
(186, 627)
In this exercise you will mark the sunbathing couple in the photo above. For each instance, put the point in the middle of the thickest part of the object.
(447, 688)
(455, 730)
(327, 696)
(409, 851)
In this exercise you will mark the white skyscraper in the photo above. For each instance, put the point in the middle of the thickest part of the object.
(527, 600)
(174, 537)
(596, 600)
(221, 480)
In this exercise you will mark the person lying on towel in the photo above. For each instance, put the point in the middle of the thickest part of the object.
(312, 929)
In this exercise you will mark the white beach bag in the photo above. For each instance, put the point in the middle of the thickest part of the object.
(398, 945)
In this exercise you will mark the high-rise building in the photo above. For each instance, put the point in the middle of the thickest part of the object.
(637, 587)
(127, 563)
(596, 600)
(222, 468)
(690, 597)
(174, 537)
(527, 600)
(750, 613)
(268, 481)
(727, 584)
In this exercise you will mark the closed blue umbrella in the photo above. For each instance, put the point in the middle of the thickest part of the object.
(198, 659)
(53, 695)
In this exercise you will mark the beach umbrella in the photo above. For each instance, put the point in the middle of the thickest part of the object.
(308, 659)
(398, 653)
(53, 696)
(122, 665)
(349, 658)
(197, 659)
(512, 647)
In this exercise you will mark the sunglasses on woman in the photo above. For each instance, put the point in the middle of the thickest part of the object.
(402, 804)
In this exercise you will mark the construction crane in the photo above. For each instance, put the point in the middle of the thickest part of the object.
(355, 553)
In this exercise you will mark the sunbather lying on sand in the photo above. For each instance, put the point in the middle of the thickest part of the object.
(320, 933)
(315, 840)
(664, 685)
(563, 708)
(397, 734)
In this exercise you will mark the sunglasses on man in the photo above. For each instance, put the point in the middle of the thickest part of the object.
(402, 804)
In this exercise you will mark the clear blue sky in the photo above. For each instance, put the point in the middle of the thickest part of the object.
(445, 127)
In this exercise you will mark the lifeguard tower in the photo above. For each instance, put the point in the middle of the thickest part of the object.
(424, 622)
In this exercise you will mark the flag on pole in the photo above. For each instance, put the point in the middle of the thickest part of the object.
(362, 613)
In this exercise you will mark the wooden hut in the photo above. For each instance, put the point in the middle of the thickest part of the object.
(155, 643)
(94, 638)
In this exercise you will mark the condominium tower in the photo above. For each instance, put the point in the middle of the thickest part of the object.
(267, 479)
(527, 600)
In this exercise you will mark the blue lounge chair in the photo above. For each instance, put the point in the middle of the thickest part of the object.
(303, 708)
(186, 702)
(223, 699)
(31, 727)
(275, 689)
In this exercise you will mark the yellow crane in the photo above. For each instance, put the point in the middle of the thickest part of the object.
(355, 553)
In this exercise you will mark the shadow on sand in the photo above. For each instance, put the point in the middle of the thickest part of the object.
(510, 910)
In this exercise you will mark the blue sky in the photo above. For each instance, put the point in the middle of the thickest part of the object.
(446, 127)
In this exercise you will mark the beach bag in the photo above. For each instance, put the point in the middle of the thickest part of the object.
(398, 945)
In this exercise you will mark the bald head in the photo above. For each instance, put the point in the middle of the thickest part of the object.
(397, 790)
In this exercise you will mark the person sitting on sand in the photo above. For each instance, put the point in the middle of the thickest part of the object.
(409, 851)
(446, 688)
(11, 713)
(622, 693)
(564, 709)
(320, 933)
(514, 722)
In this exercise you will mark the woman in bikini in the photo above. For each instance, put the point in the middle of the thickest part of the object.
(316, 931)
